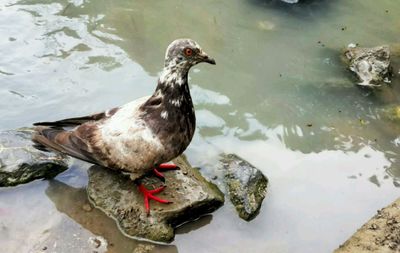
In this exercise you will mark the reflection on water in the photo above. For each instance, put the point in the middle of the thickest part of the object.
(74, 203)
(279, 97)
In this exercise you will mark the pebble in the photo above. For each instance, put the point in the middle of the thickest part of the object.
(373, 226)
(87, 208)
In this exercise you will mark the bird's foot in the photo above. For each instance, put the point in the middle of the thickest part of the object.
(148, 194)
(164, 166)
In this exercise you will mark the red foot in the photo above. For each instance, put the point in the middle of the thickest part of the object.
(148, 194)
(164, 166)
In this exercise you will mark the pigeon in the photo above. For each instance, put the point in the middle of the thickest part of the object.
(141, 136)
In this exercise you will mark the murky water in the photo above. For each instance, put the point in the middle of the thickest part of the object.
(279, 97)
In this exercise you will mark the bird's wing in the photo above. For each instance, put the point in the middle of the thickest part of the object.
(77, 143)
(72, 122)
(85, 140)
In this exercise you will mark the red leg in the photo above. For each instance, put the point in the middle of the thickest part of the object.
(148, 194)
(164, 166)
(167, 166)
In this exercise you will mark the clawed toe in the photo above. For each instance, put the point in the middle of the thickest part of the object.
(148, 194)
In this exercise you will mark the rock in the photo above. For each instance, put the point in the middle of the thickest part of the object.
(371, 65)
(379, 234)
(392, 113)
(247, 186)
(117, 196)
(87, 208)
(143, 248)
(20, 162)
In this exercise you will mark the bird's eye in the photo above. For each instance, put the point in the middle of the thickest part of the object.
(188, 51)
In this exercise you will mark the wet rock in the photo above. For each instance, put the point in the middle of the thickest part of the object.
(371, 65)
(20, 162)
(87, 208)
(143, 248)
(379, 234)
(118, 196)
(247, 186)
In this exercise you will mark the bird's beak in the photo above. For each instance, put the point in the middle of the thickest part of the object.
(205, 58)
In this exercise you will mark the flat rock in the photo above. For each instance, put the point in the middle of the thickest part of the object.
(247, 186)
(20, 162)
(371, 65)
(381, 234)
(117, 196)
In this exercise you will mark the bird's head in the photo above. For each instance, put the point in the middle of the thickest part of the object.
(185, 53)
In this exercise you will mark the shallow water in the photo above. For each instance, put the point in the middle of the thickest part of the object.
(279, 97)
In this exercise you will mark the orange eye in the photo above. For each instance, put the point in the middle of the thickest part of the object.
(188, 51)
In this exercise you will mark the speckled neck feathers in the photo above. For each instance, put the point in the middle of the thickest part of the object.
(169, 111)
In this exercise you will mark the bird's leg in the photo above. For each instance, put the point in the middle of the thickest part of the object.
(148, 194)
(164, 166)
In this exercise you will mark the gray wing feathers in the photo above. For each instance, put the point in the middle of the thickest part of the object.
(74, 143)
(71, 122)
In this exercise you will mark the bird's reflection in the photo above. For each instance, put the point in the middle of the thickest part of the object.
(74, 203)
(188, 227)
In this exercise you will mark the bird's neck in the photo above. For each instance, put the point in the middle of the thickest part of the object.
(169, 111)
(175, 75)
(173, 82)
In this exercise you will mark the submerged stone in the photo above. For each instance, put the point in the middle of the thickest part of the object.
(117, 196)
(371, 65)
(392, 113)
(21, 163)
(247, 186)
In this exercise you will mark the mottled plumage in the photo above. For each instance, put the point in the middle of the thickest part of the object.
(142, 134)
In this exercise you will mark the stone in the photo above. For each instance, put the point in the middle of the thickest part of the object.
(380, 234)
(371, 65)
(247, 186)
(391, 113)
(117, 196)
(21, 163)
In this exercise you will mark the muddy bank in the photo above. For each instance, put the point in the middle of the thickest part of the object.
(379, 234)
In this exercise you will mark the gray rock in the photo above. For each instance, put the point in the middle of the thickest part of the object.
(247, 186)
(20, 162)
(118, 196)
(371, 65)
